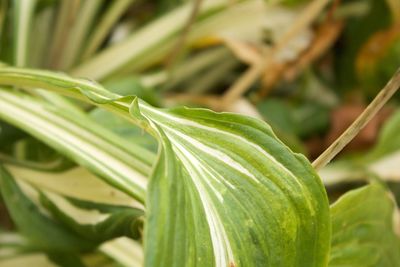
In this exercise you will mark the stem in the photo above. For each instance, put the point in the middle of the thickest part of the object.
(380, 100)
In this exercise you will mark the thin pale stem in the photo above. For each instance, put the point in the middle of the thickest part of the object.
(380, 100)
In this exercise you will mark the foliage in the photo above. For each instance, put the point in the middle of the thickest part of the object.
(100, 166)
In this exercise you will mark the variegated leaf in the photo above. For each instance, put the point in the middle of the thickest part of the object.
(40, 230)
(224, 192)
(124, 165)
(228, 193)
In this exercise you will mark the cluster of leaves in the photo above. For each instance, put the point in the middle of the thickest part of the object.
(99, 168)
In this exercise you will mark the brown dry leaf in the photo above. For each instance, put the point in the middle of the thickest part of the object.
(375, 49)
(343, 117)
(326, 35)
(324, 38)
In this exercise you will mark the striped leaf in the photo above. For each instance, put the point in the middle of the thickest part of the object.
(125, 251)
(67, 226)
(122, 165)
(77, 183)
(95, 222)
(224, 191)
(41, 231)
(226, 181)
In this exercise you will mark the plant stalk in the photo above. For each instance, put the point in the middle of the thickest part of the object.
(380, 100)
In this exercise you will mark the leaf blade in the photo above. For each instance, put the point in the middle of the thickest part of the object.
(362, 234)
(114, 165)
(223, 175)
(217, 149)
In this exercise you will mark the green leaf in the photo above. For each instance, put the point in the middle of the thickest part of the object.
(363, 229)
(36, 259)
(77, 183)
(13, 244)
(16, 251)
(23, 11)
(225, 190)
(102, 29)
(3, 11)
(388, 140)
(122, 164)
(79, 31)
(235, 187)
(91, 222)
(125, 251)
(123, 128)
(41, 231)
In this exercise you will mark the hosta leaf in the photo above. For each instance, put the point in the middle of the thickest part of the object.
(388, 140)
(13, 244)
(16, 251)
(228, 193)
(363, 233)
(85, 225)
(40, 230)
(94, 222)
(75, 183)
(121, 164)
(125, 251)
(224, 192)
(124, 128)
(36, 259)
